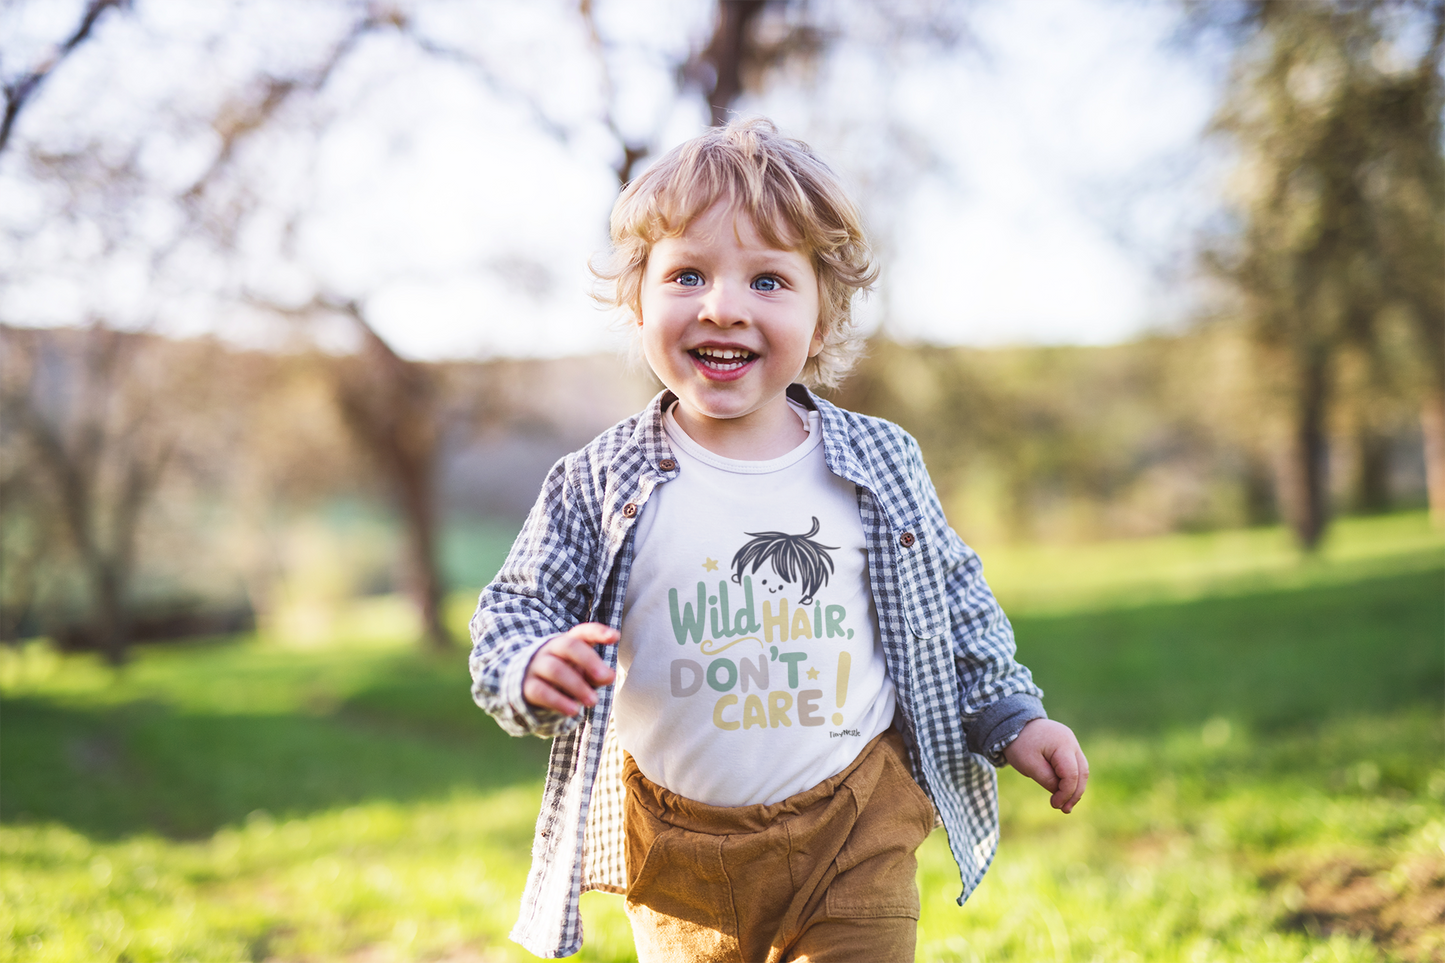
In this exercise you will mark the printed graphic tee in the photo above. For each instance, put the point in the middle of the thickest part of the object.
(750, 667)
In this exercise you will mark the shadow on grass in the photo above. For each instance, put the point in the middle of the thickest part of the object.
(145, 766)
(1274, 660)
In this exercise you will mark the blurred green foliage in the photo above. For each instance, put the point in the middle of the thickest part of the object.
(1164, 434)
(1335, 223)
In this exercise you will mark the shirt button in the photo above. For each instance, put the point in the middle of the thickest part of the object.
(629, 510)
(906, 539)
(667, 464)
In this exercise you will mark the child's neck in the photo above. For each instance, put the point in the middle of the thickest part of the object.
(769, 432)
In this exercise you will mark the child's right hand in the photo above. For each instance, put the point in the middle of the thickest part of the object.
(564, 673)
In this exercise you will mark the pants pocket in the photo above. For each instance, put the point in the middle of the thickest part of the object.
(672, 900)
(671, 871)
(878, 866)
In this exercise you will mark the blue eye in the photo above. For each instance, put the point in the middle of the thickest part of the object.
(767, 283)
(689, 279)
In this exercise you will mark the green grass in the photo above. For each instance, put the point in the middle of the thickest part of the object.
(1041, 578)
(1203, 844)
(1278, 658)
(1266, 743)
(237, 801)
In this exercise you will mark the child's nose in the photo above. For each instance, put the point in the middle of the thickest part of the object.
(723, 305)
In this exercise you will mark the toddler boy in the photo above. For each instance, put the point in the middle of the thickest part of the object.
(809, 668)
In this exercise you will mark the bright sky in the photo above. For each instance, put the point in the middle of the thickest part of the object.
(1080, 178)
(1066, 174)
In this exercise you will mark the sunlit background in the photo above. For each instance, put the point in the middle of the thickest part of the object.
(295, 313)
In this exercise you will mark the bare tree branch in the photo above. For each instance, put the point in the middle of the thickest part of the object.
(633, 150)
(494, 82)
(241, 120)
(19, 91)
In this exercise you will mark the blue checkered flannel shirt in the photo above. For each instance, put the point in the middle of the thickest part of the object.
(949, 649)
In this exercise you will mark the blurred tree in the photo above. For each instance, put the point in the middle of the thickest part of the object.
(393, 406)
(753, 44)
(1407, 340)
(1432, 425)
(398, 412)
(717, 69)
(250, 437)
(20, 88)
(91, 416)
(1334, 109)
(28, 535)
(1074, 443)
(95, 439)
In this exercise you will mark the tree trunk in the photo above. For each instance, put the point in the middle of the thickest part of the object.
(1432, 427)
(1372, 472)
(112, 625)
(424, 577)
(1261, 500)
(1303, 491)
(392, 408)
(726, 53)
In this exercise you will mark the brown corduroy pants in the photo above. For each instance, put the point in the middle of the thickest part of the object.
(827, 874)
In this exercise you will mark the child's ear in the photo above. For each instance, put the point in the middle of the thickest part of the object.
(816, 347)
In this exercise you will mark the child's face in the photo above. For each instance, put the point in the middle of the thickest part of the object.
(728, 323)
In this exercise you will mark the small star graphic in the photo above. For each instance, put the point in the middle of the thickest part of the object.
(710, 565)
(812, 673)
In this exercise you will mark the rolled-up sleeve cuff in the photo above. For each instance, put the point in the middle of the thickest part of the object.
(540, 722)
(1001, 723)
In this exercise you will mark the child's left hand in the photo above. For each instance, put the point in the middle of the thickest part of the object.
(1047, 752)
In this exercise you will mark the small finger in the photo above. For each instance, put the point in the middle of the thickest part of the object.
(564, 676)
(1067, 767)
(1037, 768)
(1083, 764)
(543, 696)
(591, 634)
(579, 653)
(1081, 770)
(596, 633)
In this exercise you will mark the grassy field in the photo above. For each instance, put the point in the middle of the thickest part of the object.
(1265, 736)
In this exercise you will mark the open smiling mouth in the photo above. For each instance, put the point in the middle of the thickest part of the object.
(723, 359)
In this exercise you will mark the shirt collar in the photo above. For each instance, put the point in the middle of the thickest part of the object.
(650, 438)
(839, 451)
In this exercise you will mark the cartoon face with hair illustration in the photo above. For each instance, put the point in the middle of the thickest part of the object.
(794, 558)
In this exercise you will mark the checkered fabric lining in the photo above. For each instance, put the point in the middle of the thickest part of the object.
(604, 864)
